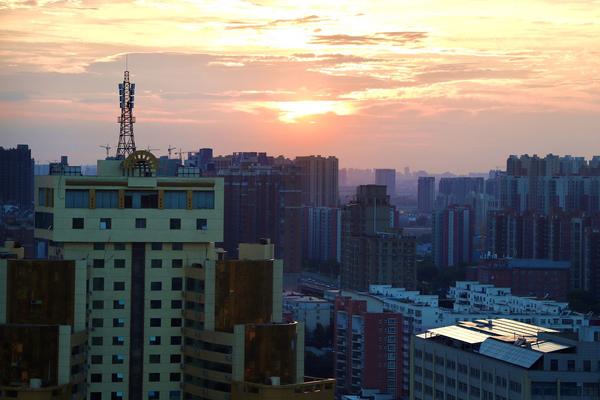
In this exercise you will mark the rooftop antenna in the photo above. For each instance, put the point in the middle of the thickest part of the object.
(106, 147)
(126, 120)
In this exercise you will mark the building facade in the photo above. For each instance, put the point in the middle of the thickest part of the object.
(16, 176)
(386, 177)
(503, 359)
(319, 176)
(453, 233)
(426, 194)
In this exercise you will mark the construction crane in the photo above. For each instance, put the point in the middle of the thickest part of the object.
(180, 153)
(151, 150)
(107, 148)
(170, 149)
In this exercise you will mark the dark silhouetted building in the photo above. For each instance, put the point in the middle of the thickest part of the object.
(453, 231)
(319, 177)
(373, 252)
(16, 176)
(426, 194)
(322, 229)
(387, 178)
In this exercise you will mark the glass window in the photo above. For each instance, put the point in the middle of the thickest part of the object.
(105, 223)
(97, 322)
(107, 199)
(118, 340)
(154, 340)
(119, 246)
(174, 376)
(141, 199)
(155, 322)
(175, 322)
(156, 263)
(98, 284)
(118, 377)
(118, 304)
(177, 263)
(97, 340)
(119, 263)
(175, 199)
(153, 395)
(157, 246)
(175, 223)
(154, 358)
(201, 224)
(44, 220)
(140, 223)
(176, 284)
(176, 304)
(76, 198)
(175, 340)
(99, 246)
(96, 359)
(175, 358)
(118, 322)
(155, 304)
(154, 377)
(176, 246)
(77, 223)
(98, 263)
(203, 199)
(118, 359)
(156, 286)
(97, 304)
(118, 286)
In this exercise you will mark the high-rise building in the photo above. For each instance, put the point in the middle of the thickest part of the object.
(319, 177)
(263, 200)
(502, 358)
(43, 329)
(373, 252)
(426, 194)
(140, 235)
(168, 316)
(322, 230)
(387, 178)
(457, 191)
(367, 346)
(16, 176)
(453, 231)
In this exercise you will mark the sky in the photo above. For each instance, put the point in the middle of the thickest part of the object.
(435, 85)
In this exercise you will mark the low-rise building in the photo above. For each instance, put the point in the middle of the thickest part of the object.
(310, 310)
(503, 359)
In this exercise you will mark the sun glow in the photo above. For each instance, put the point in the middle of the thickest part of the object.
(294, 111)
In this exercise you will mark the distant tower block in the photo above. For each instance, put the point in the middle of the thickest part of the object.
(126, 120)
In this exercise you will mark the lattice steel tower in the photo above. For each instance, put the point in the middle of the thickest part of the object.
(126, 120)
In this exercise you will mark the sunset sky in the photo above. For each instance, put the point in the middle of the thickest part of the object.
(436, 85)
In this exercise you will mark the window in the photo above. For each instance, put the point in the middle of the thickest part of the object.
(97, 341)
(154, 377)
(176, 246)
(119, 246)
(96, 359)
(97, 304)
(175, 358)
(140, 223)
(96, 378)
(175, 199)
(119, 304)
(174, 394)
(118, 340)
(154, 358)
(157, 246)
(98, 263)
(155, 286)
(107, 198)
(175, 322)
(119, 286)
(201, 224)
(141, 199)
(119, 263)
(116, 396)
(76, 223)
(105, 223)
(177, 263)
(175, 223)
(174, 376)
(99, 246)
(175, 340)
(176, 284)
(96, 396)
(155, 322)
(156, 263)
(154, 340)
(118, 322)
(587, 365)
(118, 359)
(75, 198)
(118, 377)
(176, 304)
(155, 304)
(203, 199)
(153, 395)
(571, 365)
(553, 365)
(514, 386)
(98, 284)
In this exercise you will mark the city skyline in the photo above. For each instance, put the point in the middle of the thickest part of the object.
(427, 85)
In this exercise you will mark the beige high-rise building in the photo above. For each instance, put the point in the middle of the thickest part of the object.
(319, 180)
(167, 317)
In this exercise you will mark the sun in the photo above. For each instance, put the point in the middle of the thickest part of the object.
(294, 111)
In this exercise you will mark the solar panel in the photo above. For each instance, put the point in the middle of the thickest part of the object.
(509, 353)
(462, 334)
